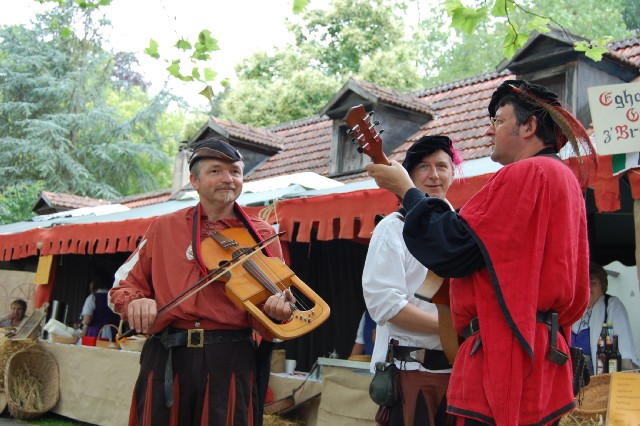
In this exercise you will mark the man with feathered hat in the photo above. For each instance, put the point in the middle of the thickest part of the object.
(518, 257)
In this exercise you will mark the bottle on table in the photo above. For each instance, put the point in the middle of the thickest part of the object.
(602, 360)
(615, 358)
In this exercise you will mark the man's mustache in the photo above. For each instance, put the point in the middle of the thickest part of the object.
(226, 187)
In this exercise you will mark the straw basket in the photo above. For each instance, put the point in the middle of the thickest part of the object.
(64, 340)
(3, 401)
(32, 383)
(595, 396)
(134, 343)
(108, 344)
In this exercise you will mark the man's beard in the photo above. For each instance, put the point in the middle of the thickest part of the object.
(229, 192)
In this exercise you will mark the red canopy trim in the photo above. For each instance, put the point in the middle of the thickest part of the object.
(90, 238)
(344, 215)
(606, 187)
(351, 215)
(348, 215)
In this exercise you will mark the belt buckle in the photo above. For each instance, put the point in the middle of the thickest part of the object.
(418, 355)
(471, 328)
(198, 332)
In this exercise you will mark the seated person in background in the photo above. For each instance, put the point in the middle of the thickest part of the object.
(17, 316)
(365, 337)
(96, 312)
(602, 308)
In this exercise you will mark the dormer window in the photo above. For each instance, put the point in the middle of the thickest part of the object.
(345, 158)
(555, 82)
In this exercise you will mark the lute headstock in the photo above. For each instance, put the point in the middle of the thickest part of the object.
(365, 135)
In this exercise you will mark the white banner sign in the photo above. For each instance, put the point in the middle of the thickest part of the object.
(615, 112)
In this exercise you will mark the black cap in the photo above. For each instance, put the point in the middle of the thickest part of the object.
(214, 147)
(506, 88)
(427, 145)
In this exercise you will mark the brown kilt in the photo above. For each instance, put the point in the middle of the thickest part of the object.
(213, 385)
(422, 401)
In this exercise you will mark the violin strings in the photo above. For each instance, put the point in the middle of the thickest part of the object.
(277, 287)
(280, 281)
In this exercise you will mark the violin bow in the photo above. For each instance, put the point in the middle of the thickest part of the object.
(212, 276)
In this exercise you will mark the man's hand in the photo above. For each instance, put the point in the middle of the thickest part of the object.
(141, 314)
(278, 306)
(393, 178)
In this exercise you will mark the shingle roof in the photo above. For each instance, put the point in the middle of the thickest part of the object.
(461, 113)
(259, 136)
(459, 110)
(393, 97)
(628, 48)
(145, 199)
(64, 201)
(306, 150)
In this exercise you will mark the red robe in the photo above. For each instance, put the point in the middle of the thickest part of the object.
(529, 223)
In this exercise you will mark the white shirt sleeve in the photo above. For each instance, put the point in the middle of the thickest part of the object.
(360, 332)
(89, 306)
(383, 277)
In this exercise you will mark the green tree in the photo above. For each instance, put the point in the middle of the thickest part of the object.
(351, 38)
(17, 200)
(62, 119)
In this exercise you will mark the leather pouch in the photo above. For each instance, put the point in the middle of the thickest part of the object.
(580, 369)
(383, 389)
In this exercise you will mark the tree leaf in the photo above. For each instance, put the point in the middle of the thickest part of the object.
(581, 46)
(152, 50)
(183, 44)
(595, 53)
(299, 5)
(206, 42)
(174, 69)
(66, 32)
(499, 8)
(209, 74)
(540, 24)
(207, 92)
(466, 18)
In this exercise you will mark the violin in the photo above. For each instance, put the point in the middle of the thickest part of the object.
(257, 278)
(434, 289)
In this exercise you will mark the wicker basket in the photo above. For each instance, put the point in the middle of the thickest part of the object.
(31, 366)
(133, 344)
(3, 401)
(64, 340)
(592, 402)
(108, 344)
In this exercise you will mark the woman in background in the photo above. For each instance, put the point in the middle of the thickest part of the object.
(602, 308)
(95, 312)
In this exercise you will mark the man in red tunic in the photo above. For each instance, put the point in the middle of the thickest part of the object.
(200, 364)
(518, 257)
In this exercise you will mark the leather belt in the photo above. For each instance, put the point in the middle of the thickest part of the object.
(474, 324)
(197, 337)
(428, 358)
(550, 318)
(471, 329)
(193, 338)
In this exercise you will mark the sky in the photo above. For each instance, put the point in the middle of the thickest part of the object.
(240, 26)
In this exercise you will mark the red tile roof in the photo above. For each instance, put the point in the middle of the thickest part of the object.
(393, 97)
(628, 48)
(258, 136)
(459, 110)
(461, 113)
(146, 199)
(307, 143)
(63, 201)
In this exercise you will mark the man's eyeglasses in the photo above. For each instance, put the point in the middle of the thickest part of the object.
(495, 122)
